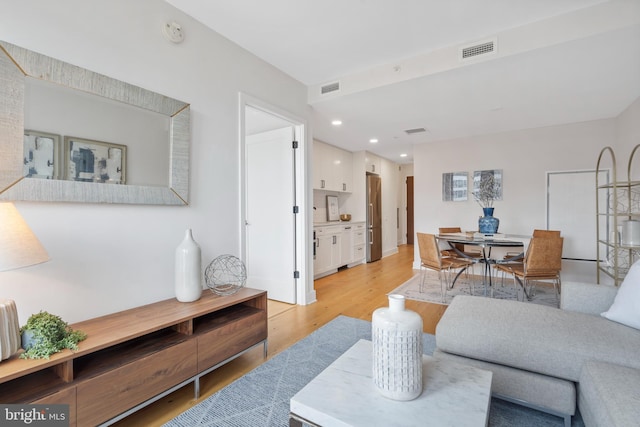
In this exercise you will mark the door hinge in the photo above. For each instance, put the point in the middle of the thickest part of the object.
(296, 274)
(296, 209)
(294, 144)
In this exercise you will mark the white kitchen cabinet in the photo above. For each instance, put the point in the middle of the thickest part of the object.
(328, 249)
(358, 242)
(320, 166)
(344, 170)
(346, 234)
(332, 168)
(337, 246)
(373, 163)
(322, 261)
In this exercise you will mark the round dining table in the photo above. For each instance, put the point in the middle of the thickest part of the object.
(486, 243)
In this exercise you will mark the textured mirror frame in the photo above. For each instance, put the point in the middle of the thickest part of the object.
(15, 64)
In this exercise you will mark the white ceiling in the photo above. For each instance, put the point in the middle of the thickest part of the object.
(558, 61)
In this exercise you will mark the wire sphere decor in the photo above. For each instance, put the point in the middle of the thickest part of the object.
(225, 275)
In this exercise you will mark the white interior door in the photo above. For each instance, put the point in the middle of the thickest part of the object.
(270, 222)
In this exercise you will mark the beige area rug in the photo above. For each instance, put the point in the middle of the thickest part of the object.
(544, 292)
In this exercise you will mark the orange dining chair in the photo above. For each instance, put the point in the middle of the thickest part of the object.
(542, 262)
(432, 259)
(518, 256)
(546, 233)
(476, 254)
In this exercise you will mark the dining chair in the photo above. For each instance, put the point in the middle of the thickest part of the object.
(546, 233)
(474, 253)
(432, 259)
(517, 257)
(542, 262)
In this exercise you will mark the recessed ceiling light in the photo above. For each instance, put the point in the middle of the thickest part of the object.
(403, 155)
(373, 140)
(336, 122)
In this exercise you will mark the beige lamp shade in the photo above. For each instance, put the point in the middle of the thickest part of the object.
(19, 247)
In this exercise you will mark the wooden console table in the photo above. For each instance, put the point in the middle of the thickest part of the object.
(134, 357)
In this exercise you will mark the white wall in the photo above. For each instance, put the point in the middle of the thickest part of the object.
(525, 157)
(107, 258)
(390, 183)
(627, 137)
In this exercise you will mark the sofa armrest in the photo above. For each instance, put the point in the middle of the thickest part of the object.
(587, 298)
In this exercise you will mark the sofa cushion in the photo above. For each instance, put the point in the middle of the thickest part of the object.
(589, 298)
(609, 395)
(534, 337)
(626, 306)
(552, 394)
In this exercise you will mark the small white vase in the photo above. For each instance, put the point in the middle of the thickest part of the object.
(188, 273)
(9, 329)
(397, 350)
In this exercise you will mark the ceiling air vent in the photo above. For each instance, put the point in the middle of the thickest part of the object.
(328, 88)
(413, 131)
(478, 49)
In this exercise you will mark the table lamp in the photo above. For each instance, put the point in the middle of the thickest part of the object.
(19, 247)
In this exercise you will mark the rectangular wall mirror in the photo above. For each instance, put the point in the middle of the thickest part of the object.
(44, 101)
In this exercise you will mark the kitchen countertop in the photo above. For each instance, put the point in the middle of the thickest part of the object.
(322, 224)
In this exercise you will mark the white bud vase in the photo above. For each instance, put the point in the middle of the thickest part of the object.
(397, 350)
(188, 283)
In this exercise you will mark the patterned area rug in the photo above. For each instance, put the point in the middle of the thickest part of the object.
(544, 292)
(261, 397)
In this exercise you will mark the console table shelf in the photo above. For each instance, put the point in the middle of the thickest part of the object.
(131, 357)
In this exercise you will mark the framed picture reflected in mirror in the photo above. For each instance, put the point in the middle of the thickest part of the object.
(42, 155)
(95, 161)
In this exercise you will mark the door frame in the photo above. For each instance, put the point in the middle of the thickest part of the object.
(305, 294)
(409, 210)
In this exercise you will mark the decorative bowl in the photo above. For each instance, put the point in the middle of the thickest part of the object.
(345, 217)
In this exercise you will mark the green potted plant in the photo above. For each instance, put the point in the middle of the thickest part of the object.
(45, 334)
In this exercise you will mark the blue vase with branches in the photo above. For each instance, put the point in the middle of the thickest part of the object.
(488, 191)
(488, 224)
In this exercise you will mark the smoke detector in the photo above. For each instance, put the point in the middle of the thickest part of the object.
(172, 31)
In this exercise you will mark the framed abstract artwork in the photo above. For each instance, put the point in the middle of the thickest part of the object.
(42, 155)
(454, 186)
(95, 161)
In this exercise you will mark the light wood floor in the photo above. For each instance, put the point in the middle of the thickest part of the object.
(354, 292)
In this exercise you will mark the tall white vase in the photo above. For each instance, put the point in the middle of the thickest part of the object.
(397, 350)
(188, 274)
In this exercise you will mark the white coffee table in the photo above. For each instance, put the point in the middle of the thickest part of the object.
(344, 395)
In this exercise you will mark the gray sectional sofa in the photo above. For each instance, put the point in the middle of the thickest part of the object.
(549, 358)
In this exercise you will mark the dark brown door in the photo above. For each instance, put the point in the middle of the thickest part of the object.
(409, 210)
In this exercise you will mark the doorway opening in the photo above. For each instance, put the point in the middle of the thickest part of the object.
(409, 196)
(273, 226)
